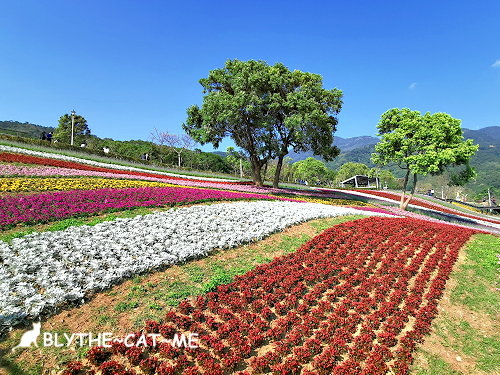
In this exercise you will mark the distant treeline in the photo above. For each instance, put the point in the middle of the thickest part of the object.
(127, 150)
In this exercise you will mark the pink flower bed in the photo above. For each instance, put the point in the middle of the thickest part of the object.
(18, 170)
(60, 205)
(375, 209)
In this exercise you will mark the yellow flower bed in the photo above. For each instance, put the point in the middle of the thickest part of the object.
(467, 207)
(23, 184)
(334, 202)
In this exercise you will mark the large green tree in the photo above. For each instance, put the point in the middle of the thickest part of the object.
(63, 131)
(266, 110)
(311, 170)
(350, 169)
(302, 114)
(421, 144)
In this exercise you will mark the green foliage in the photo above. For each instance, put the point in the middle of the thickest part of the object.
(80, 130)
(462, 177)
(265, 110)
(125, 306)
(125, 151)
(25, 129)
(483, 194)
(236, 160)
(311, 170)
(177, 291)
(421, 144)
(351, 169)
(475, 278)
(196, 273)
(221, 276)
(435, 365)
(386, 178)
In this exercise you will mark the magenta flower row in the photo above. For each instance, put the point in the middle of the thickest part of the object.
(59, 205)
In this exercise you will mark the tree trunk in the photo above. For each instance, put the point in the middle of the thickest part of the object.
(401, 203)
(278, 171)
(265, 173)
(179, 158)
(405, 204)
(256, 166)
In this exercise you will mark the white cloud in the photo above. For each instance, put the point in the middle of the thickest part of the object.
(496, 64)
(413, 85)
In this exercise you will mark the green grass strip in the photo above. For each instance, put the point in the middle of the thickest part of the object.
(477, 277)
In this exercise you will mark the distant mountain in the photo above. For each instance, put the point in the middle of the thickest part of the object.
(348, 144)
(220, 153)
(483, 136)
(356, 149)
(487, 159)
(358, 155)
(344, 144)
(23, 129)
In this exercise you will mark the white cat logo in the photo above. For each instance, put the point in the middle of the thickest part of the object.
(29, 337)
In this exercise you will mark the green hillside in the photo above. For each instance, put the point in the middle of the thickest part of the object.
(356, 149)
(23, 129)
(486, 161)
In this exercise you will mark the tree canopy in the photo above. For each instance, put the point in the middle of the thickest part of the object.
(311, 170)
(350, 169)
(266, 110)
(421, 144)
(178, 143)
(63, 131)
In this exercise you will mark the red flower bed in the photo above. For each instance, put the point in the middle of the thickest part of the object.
(416, 202)
(28, 159)
(356, 299)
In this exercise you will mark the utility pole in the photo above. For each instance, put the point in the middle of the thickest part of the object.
(73, 113)
(489, 200)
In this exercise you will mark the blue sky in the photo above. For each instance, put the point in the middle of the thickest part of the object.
(131, 66)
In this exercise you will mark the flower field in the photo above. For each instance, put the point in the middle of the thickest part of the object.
(22, 184)
(21, 170)
(70, 264)
(51, 206)
(426, 204)
(357, 299)
(70, 163)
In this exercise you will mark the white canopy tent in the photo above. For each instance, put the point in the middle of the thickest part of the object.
(362, 181)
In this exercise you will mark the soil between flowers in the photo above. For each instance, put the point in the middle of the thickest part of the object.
(356, 299)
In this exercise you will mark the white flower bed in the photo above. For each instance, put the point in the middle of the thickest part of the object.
(41, 271)
(99, 164)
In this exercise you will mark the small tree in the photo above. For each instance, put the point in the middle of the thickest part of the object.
(63, 131)
(237, 160)
(177, 143)
(421, 144)
(159, 139)
(386, 178)
(311, 170)
(351, 169)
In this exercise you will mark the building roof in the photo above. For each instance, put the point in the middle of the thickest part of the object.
(361, 179)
